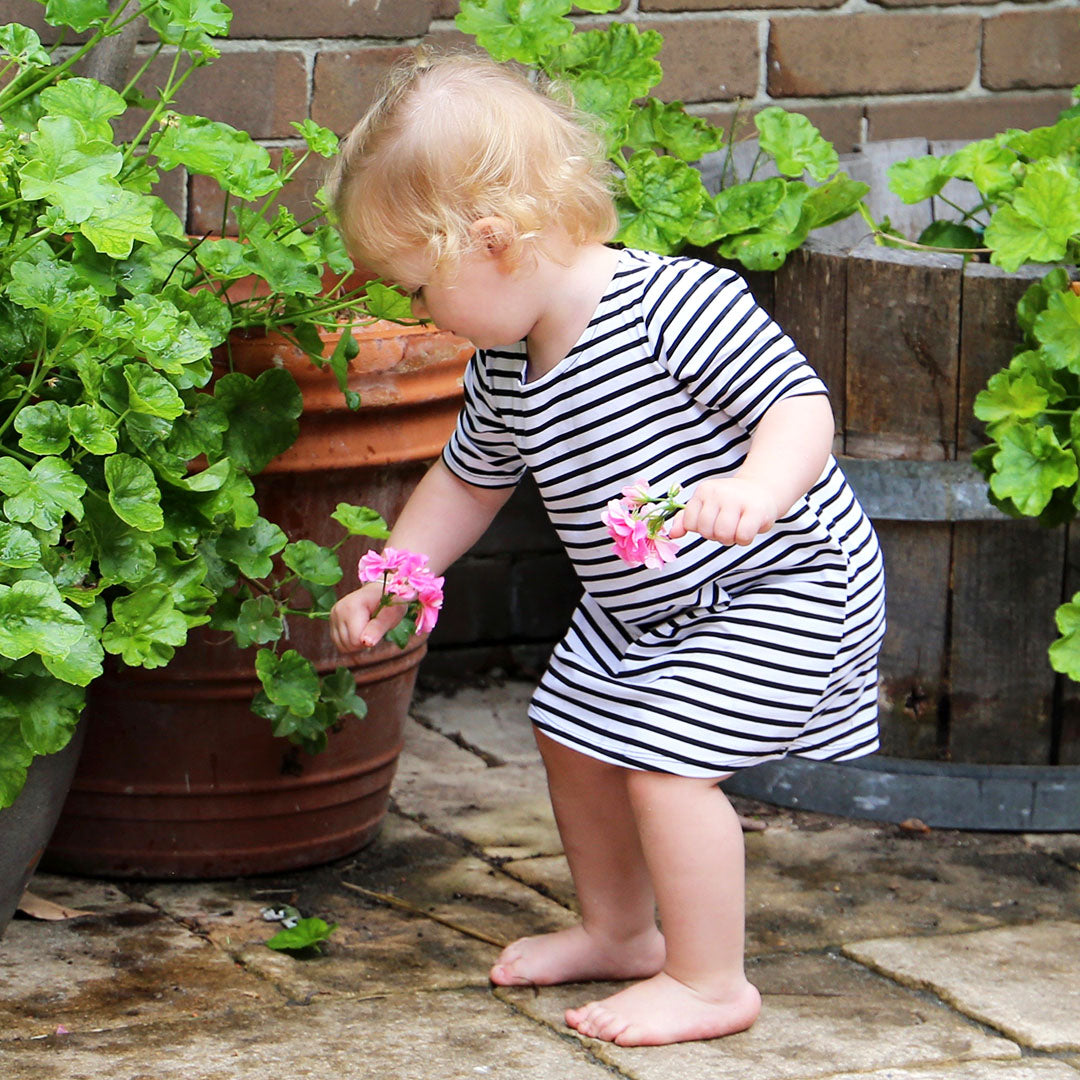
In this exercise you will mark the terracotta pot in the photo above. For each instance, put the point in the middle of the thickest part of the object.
(177, 777)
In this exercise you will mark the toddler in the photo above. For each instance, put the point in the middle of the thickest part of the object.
(489, 202)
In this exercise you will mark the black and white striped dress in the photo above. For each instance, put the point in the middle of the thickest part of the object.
(727, 656)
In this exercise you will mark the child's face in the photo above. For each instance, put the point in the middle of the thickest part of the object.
(483, 299)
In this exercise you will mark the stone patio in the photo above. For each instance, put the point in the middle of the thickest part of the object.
(882, 953)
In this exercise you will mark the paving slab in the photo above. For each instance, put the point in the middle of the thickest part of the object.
(502, 809)
(1021, 980)
(820, 1016)
(493, 719)
(460, 1035)
(376, 948)
(815, 881)
(124, 965)
(1029, 1069)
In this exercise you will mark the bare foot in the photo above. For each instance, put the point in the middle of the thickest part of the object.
(574, 955)
(663, 1010)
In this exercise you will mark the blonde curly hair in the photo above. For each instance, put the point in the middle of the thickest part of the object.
(456, 138)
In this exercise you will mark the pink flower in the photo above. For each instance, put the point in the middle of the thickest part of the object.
(638, 525)
(406, 580)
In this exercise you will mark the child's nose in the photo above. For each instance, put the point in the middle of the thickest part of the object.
(419, 309)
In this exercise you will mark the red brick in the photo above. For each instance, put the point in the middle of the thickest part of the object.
(734, 5)
(953, 118)
(708, 59)
(346, 83)
(840, 124)
(331, 18)
(1028, 49)
(205, 198)
(871, 54)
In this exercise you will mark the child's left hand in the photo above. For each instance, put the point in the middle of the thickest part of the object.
(732, 511)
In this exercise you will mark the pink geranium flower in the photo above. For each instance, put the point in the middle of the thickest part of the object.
(406, 579)
(638, 522)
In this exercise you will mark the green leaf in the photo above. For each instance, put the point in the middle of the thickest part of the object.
(91, 103)
(15, 756)
(339, 365)
(988, 165)
(251, 549)
(916, 179)
(668, 127)
(312, 562)
(339, 692)
(124, 554)
(210, 148)
(258, 622)
(41, 495)
(82, 663)
(133, 492)
(400, 633)
(262, 416)
(1044, 216)
(35, 619)
(48, 710)
(151, 393)
(523, 30)
(23, 46)
(18, 547)
(948, 234)
(304, 935)
(289, 680)
(1065, 651)
(44, 428)
(360, 521)
(1056, 140)
(120, 219)
(1029, 466)
(1009, 398)
(1057, 329)
(71, 172)
(319, 140)
(1037, 296)
(146, 627)
(766, 248)
(833, 201)
(384, 302)
(93, 427)
(619, 52)
(795, 144)
(80, 15)
(666, 195)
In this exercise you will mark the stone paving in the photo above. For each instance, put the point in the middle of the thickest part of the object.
(881, 953)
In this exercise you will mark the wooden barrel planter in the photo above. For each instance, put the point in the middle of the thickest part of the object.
(177, 777)
(978, 731)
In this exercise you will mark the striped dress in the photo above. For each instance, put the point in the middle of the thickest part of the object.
(728, 656)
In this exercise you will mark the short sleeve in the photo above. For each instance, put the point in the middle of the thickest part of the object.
(706, 327)
(482, 450)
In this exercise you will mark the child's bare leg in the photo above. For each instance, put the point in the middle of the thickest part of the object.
(693, 845)
(617, 937)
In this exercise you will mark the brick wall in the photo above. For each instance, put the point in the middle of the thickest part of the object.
(861, 69)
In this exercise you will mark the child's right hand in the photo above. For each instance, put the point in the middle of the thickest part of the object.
(351, 626)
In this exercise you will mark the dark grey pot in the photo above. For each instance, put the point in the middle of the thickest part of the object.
(26, 825)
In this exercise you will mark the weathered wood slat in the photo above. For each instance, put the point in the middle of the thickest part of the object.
(1067, 731)
(1006, 584)
(914, 657)
(903, 324)
(989, 334)
(811, 294)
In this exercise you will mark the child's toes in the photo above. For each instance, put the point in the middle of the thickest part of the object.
(596, 1022)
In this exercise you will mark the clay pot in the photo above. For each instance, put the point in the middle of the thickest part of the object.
(177, 777)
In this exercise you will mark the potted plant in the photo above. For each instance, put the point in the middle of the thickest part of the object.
(128, 512)
(989, 740)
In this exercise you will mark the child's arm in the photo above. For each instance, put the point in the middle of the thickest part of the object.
(443, 518)
(788, 451)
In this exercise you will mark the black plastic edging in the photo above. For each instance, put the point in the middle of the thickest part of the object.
(943, 795)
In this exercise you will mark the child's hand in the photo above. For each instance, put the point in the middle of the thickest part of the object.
(732, 511)
(351, 626)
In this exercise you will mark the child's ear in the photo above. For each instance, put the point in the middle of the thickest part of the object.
(494, 233)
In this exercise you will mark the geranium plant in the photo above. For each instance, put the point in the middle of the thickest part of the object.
(663, 204)
(127, 510)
